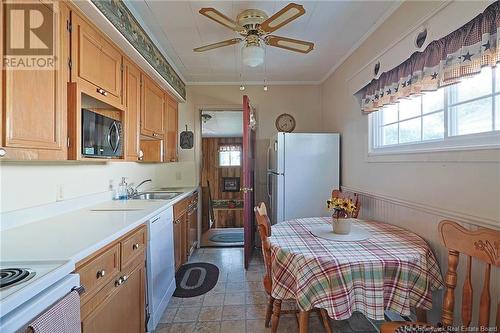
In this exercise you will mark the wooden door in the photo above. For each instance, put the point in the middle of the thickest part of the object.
(248, 181)
(171, 130)
(184, 237)
(132, 96)
(193, 223)
(178, 242)
(152, 111)
(96, 63)
(124, 310)
(34, 103)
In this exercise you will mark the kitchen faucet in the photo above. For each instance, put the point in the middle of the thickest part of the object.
(133, 191)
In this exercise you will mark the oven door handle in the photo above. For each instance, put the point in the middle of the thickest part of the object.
(114, 145)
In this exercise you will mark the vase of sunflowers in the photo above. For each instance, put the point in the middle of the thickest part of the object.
(342, 209)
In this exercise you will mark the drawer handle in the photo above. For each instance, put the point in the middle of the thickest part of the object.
(102, 91)
(2, 152)
(135, 246)
(101, 273)
(119, 281)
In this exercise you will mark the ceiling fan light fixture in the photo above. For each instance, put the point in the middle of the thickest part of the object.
(252, 55)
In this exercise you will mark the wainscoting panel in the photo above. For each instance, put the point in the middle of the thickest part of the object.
(425, 223)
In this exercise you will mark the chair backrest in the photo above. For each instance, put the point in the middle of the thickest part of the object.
(483, 245)
(264, 227)
(354, 197)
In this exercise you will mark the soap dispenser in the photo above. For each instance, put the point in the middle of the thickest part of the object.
(122, 190)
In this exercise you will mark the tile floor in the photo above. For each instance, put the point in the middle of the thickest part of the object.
(237, 304)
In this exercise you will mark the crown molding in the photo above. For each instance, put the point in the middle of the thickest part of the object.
(93, 13)
(374, 27)
(138, 17)
(253, 83)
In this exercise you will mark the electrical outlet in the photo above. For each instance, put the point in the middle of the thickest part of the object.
(59, 192)
(178, 175)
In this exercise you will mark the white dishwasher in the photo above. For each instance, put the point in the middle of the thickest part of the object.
(160, 265)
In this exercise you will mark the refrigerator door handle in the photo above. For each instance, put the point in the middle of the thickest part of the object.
(269, 184)
(268, 157)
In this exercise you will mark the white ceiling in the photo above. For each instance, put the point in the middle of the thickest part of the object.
(223, 124)
(336, 28)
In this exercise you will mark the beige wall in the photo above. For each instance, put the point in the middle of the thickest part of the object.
(461, 182)
(414, 191)
(303, 102)
(31, 184)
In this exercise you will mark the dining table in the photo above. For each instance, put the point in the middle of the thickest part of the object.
(391, 269)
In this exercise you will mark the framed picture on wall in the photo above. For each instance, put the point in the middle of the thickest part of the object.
(230, 184)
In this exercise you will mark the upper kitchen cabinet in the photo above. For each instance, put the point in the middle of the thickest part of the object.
(153, 109)
(33, 101)
(95, 63)
(171, 129)
(132, 99)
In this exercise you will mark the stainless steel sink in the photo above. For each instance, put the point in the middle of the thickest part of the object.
(156, 195)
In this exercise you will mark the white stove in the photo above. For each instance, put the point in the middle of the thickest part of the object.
(27, 288)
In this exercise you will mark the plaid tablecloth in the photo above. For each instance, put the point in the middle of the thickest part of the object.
(392, 270)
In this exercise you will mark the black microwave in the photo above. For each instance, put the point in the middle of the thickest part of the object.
(101, 135)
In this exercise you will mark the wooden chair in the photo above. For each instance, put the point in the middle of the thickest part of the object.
(354, 197)
(483, 245)
(274, 305)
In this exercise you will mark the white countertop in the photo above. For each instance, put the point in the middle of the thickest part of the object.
(75, 235)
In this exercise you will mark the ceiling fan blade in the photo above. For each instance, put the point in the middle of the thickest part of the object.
(290, 44)
(289, 13)
(220, 18)
(217, 45)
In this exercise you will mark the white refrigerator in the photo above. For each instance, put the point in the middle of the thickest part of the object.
(302, 171)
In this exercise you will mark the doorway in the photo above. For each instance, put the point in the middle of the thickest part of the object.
(222, 178)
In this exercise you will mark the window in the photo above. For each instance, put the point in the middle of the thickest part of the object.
(466, 114)
(229, 155)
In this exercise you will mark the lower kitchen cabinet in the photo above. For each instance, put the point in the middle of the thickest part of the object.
(123, 310)
(185, 228)
(193, 223)
(180, 253)
(114, 279)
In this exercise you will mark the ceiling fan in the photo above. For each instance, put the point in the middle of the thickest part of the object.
(255, 28)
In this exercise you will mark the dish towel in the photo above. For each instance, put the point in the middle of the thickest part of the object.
(62, 317)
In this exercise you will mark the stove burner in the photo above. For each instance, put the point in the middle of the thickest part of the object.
(11, 276)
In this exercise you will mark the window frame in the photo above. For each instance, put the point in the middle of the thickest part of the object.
(230, 166)
(473, 141)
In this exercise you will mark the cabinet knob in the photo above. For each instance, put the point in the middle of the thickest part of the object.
(124, 278)
(119, 281)
(3, 152)
(105, 93)
(135, 246)
(101, 273)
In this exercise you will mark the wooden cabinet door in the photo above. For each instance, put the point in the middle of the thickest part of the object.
(132, 96)
(185, 237)
(96, 63)
(171, 130)
(152, 111)
(124, 310)
(177, 243)
(34, 104)
(193, 228)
